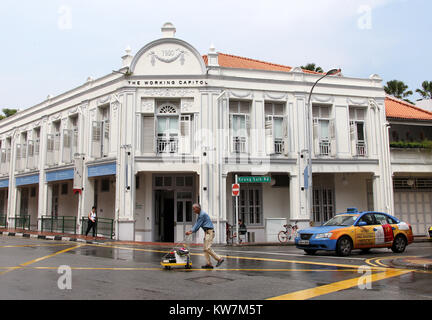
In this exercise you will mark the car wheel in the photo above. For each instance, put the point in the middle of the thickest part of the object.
(399, 244)
(344, 246)
(310, 251)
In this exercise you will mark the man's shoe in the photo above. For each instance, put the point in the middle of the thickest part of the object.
(220, 262)
(207, 267)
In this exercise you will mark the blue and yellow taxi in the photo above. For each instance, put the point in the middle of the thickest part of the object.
(356, 230)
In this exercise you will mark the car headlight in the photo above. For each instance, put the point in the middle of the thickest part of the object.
(323, 235)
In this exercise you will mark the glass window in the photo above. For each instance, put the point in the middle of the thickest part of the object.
(180, 211)
(278, 131)
(158, 181)
(188, 181)
(180, 181)
(381, 219)
(369, 219)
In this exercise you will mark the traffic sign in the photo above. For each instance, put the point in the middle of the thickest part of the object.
(235, 189)
(252, 179)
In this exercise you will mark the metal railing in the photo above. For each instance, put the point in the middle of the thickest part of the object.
(167, 145)
(361, 148)
(63, 224)
(278, 146)
(3, 221)
(21, 222)
(324, 148)
(239, 144)
(104, 226)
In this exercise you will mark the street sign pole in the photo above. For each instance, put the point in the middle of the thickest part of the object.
(236, 217)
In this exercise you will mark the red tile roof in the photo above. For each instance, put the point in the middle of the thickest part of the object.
(231, 61)
(395, 108)
(399, 109)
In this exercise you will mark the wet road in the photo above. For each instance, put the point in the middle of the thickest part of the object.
(29, 269)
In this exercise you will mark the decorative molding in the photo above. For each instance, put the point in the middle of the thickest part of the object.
(357, 102)
(180, 54)
(147, 105)
(241, 95)
(374, 105)
(168, 92)
(104, 100)
(72, 111)
(322, 98)
(275, 96)
(54, 117)
(186, 105)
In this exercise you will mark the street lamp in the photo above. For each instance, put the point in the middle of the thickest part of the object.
(309, 142)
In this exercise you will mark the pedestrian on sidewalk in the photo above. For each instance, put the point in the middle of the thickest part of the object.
(91, 223)
(205, 223)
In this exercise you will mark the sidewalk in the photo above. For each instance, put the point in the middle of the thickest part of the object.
(101, 240)
(51, 236)
(422, 263)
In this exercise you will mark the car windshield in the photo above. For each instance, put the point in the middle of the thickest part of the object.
(346, 220)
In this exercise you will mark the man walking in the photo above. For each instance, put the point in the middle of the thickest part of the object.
(205, 223)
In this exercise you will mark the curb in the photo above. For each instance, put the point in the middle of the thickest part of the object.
(47, 237)
(401, 263)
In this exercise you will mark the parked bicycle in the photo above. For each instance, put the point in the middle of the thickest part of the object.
(231, 234)
(289, 233)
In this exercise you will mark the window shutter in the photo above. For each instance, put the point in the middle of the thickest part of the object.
(66, 145)
(185, 134)
(148, 137)
(106, 137)
(353, 137)
(248, 136)
(231, 138)
(96, 139)
(269, 135)
(285, 135)
(332, 130)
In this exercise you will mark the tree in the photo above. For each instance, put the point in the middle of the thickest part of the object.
(312, 67)
(426, 91)
(398, 89)
(7, 113)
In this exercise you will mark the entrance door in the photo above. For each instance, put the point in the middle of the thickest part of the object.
(323, 205)
(183, 214)
(164, 215)
(415, 208)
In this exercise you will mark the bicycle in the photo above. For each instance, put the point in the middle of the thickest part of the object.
(289, 232)
(230, 235)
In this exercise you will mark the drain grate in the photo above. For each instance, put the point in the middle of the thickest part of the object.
(209, 280)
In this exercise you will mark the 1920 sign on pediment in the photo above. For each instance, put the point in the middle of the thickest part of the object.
(168, 56)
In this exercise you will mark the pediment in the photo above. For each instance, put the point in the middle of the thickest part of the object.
(168, 56)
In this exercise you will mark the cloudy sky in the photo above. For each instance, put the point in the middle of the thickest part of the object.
(48, 47)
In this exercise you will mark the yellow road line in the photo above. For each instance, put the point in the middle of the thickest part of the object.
(35, 245)
(338, 286)
(338, 265)
(40, 259)
(183, 269)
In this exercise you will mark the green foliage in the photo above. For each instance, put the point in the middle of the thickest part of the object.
(425, 144)
(312, 67)
(398, 89)
(7, 113)
(426, 90)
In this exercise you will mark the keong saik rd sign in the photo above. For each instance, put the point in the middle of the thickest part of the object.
(252, 179)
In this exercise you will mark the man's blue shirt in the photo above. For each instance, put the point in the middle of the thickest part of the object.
(203, 221)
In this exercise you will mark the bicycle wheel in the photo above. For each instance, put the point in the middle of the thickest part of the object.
(283, 237)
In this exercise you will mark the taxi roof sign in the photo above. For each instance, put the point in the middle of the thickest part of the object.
(352, 210)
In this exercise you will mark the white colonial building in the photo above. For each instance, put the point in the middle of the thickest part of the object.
(173, 127)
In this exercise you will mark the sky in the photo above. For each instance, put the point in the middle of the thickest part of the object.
(51, 46)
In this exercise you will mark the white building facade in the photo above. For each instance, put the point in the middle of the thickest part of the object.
(171, 128)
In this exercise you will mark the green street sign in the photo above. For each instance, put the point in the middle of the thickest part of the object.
(254, 179)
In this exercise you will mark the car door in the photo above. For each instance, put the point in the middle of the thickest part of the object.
(365, 235)
(383, 230)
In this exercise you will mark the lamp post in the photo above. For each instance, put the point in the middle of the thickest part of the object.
(309, 142)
